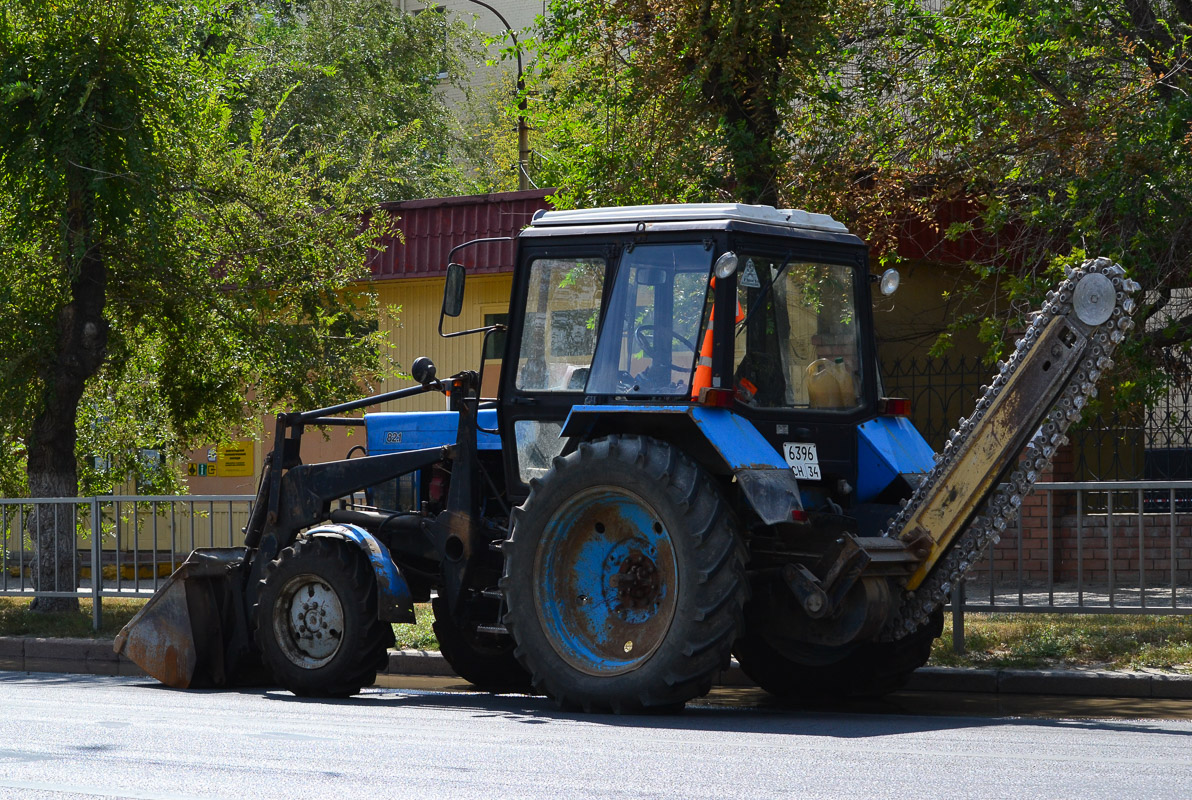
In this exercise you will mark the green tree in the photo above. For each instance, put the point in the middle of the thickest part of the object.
(360, 77)
(663, 100)
(1066, 127)
(1063, 129)
(157, 263)
(489, 138)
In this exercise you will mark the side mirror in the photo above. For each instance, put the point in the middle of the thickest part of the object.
(453, 291)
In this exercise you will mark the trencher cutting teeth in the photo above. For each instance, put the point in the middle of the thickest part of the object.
(1106, 330)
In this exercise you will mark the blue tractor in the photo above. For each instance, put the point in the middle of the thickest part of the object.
(690, 456)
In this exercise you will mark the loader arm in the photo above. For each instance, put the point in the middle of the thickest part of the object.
(307, 490)
(995, 456)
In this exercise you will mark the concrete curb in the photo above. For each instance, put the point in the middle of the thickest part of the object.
(82, 656)
(95, 657)
(1065, 682)
(418, 662)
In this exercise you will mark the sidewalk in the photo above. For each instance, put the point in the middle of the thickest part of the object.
(95, 657)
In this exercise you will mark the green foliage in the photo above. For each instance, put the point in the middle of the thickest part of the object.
(193, 177)
(1069, 640)
(488, 138)
(1064, 127)
(1041, 129)
(359, 77)
(667, 100)
(17, 619)
(420, 635)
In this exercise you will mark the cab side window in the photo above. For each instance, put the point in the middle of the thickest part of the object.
(562, 311)
(798, 345)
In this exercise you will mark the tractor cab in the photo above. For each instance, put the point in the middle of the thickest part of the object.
(618, 313)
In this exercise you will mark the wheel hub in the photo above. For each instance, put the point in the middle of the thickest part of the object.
(310, 621)
(611, 581)
(638, 582)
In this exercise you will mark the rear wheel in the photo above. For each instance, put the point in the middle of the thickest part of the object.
(869, 669)
(316, 619)
(624, 577)
(486, 661)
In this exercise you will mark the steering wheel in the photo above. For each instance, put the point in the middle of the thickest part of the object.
(639, 335)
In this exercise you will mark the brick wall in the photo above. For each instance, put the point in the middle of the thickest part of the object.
(1160, 544)
(1056, 543)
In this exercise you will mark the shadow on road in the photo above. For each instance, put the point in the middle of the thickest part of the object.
(734, 709)
(737, 710)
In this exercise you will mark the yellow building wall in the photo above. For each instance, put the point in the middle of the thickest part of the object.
(910, 321)
(415, 331)
(412, 332)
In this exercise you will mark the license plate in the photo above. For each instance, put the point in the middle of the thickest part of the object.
(803, 460)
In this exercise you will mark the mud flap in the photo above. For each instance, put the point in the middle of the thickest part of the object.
(193, 632)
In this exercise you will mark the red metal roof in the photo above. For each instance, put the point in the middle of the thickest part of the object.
(432, 227)
(928, 240)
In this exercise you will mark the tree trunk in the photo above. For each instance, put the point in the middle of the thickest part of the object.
(81, 346)
(52, 529)
(755, 162)
(751, 115)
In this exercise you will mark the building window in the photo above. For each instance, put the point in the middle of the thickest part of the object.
(494, 345)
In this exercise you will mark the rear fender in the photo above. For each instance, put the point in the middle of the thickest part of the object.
(892, 458)
(721, 441)
(395, 602)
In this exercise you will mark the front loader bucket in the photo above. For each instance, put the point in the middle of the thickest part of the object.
(192, 633)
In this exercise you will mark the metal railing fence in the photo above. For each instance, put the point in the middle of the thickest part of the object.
(125, 545)
(1078, 547)
(1095, 547)
(1152, 442)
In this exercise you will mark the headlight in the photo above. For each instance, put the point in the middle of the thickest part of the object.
(725, 265)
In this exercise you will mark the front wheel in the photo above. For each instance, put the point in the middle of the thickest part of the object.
(625, 579)
(316, 619)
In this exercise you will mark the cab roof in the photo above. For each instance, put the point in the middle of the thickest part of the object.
(790, 218)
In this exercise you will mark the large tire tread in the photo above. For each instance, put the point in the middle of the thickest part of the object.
(681, 669)
(491, 668)
(367, 638)
(870, 670)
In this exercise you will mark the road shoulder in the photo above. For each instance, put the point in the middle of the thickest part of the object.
(96, 657)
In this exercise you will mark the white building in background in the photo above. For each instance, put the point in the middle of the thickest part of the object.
(490, 75)
(483, 17)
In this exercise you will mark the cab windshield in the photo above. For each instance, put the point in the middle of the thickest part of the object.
(648, 342)
(797, 343)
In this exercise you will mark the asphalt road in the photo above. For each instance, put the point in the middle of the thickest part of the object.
(88, 736)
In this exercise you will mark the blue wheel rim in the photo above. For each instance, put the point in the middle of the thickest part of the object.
(607, 581)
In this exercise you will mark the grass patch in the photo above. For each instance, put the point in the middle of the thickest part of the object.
(418, 636)
(1104, 641)
(17, 620)
(992, 641)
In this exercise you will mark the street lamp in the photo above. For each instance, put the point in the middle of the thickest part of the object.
(523, 131)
